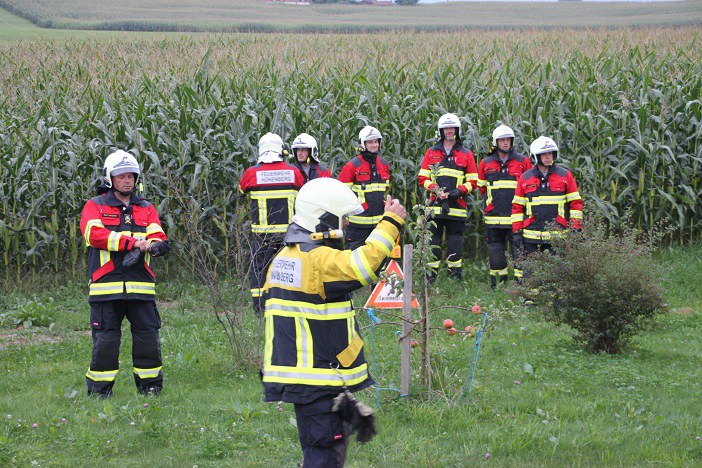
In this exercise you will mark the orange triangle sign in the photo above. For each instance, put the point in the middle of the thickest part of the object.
(384, 296)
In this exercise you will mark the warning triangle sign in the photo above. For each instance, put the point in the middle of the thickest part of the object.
(384, 296)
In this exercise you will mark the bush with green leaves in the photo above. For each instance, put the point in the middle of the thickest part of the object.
(603, 284)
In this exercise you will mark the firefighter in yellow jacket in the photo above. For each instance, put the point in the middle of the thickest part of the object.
(313, 349)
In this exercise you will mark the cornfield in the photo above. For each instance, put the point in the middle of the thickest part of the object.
(624, 106)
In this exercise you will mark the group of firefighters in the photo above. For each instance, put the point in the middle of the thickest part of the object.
(315, 240)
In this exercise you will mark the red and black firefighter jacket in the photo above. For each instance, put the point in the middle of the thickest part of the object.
(497, 182)
(368, 175)
(316, 170)
(110, 230)
(455, 170)
(312, 342)
(272, 188)
(545, 205)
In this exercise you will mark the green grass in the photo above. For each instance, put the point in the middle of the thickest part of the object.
(258, 15)
(569, 408)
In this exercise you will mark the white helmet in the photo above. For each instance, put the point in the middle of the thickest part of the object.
(368, 133)
(303, 140)
(270, 148)
(449, 121)
(322, 203)
(540, 146)
(503, 131)
(120, 162)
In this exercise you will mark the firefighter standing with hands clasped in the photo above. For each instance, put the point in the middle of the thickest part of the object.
(313, 355)
(546, 201)
(446, 189)
(497, 180)
(122, 232)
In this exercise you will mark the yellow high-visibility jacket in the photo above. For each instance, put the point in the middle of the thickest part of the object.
(312, 342)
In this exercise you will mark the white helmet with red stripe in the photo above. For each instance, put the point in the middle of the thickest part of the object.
(542, 145)
(120, 162)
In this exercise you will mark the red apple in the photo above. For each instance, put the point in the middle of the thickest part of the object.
(414, 343)
(476, 309)
(448, 323)
(451, 331)
(468, 329)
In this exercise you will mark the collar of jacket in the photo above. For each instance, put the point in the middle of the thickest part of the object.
(112, 200)
(369, 157)
(296, 234)
(458, 146)
(510, 155)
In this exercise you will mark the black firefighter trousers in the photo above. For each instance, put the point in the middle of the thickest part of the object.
(454, 229)
(323, 436)
(497, 238)
(263, 248)
(106, 322)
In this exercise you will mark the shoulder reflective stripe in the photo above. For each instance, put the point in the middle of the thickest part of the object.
(382, 239)
(140, 287)
(360, 265)
(548, 200)
(499, 220)
(147, 373)
(448, 172)
(376, 187)
(304, 343)
(269, 228)
(366, 220)
(503, 184)
(315, 376)
(89, 227)
(102, 376)
(153, 228)
(519, 200)
(573, 196)
(576, 214)
(102, 289)
(259, 195)
(113, 241)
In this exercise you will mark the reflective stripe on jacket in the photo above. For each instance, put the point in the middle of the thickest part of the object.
(312, 340)
(110, 230)
(272, 188)
(544, 206)
(497, 182)
(368, 176)
(454, 170)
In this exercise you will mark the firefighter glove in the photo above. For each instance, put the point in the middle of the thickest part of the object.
(159, 249)
(356, 414)
(132, 258)
(455, 194)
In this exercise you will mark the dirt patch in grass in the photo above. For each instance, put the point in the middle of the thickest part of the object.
(683, 311)
(22, 338)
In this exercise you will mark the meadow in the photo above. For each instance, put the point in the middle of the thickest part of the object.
(266, 16)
